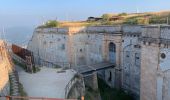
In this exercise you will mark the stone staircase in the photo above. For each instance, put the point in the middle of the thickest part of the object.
(14, 83)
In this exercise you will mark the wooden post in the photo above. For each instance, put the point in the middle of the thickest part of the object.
(7, 97)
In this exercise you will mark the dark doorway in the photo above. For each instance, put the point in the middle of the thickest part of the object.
(112, 52)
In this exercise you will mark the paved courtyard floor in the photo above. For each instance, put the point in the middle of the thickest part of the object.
(46, 83)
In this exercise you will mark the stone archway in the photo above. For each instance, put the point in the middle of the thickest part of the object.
(112, 52)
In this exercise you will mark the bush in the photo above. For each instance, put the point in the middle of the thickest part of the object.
(106, 17)
(122, 14)
(131, 21)
(52, 23)
(143, 21)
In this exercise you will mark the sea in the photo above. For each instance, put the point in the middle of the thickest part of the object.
(17, 35)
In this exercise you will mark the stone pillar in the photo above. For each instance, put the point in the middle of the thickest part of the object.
(95, 81)
(92, 81)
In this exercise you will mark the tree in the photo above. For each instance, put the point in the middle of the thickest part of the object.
(106, 17)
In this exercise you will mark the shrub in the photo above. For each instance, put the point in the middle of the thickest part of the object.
(106, 17)
(52, 23)
(122, 14)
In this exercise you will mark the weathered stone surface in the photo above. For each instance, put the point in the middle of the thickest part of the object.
(5, 69)
(135, 51)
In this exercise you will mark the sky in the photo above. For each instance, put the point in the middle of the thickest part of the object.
(34, 12)
(28, 14)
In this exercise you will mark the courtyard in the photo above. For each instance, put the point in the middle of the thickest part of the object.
(48, 82)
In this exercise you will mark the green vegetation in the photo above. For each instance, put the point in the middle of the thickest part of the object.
(36, 69)
(122, 18)
(135, 21)
(90, 94)
(106, 19)
(159, 19)
(21, 91)
(122, 14)
(23, 66)
(108, 93)
(50, 23)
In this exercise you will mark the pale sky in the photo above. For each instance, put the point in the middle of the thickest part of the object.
(34, 12)
(20, 17)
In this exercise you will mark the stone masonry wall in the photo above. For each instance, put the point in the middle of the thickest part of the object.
(5, 69)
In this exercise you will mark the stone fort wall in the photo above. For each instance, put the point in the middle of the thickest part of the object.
(5, 69)
(135, 50)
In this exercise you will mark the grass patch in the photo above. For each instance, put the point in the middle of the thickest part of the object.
(108, 93)
(23, 66)
(21, 90)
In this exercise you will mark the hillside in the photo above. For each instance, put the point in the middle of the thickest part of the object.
(145, 18)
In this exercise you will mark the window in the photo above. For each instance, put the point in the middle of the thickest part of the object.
(112, 47)
(128, 54)
(163, 56)
(81, 50)
(137, 59)
(63, 47)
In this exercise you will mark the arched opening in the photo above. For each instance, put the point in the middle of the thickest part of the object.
(112, 52)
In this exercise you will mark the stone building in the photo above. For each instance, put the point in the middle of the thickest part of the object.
(155, 65)
(5, 69)
(131, 57)
(140, 54)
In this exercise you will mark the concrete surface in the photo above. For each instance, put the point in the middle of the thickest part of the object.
(46, 83)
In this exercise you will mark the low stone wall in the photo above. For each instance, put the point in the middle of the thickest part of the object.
(5, 90)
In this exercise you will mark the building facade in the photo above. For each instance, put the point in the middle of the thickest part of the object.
(155, 66)
(140, 54)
